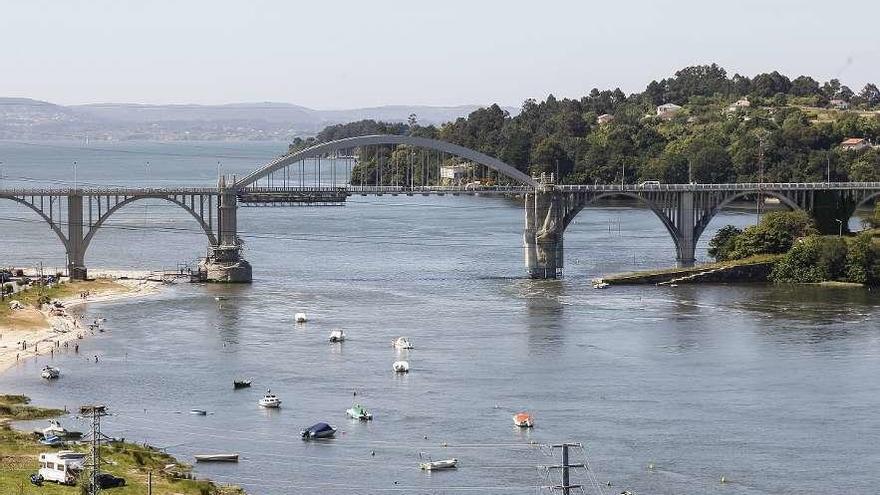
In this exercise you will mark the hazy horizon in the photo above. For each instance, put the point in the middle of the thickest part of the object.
(342, 55)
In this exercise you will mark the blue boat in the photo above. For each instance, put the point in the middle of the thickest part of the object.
(51, 440)
(318, 430)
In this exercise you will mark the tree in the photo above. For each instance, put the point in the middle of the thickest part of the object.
(863, 260)
(549, 156)
(871, 95)
(722, 244)
(767, 85)
(804, 86)
(812, 259)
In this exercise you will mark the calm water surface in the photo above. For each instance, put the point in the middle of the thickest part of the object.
(774, 388)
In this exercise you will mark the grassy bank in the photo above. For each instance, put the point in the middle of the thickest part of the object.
(33, 295)
(19, 452)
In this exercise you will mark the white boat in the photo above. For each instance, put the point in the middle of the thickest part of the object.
(198, 412)
(54, 429)
(270, 400)
(337, 336)
(428, 465)
(216, 457)
(50, 373)
(358, 411)
(300, 318)
(402, 343)
(601, 285)
(400, 366)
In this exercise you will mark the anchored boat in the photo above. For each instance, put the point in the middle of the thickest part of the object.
(357, 411)
(337, 336)
(402, 343)
(216, 457)
(241, 384)
(428, 465)
(50, 373)
(318, 430)
(400, 367)
(270, 400)
(523, 420)
(300, 318)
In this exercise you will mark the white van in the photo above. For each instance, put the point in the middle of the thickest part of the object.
(649, 183)
(61, 467)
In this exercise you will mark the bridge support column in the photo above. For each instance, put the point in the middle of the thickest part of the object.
(76, 249)
(543, 234)
(224, 262)
(686, 242)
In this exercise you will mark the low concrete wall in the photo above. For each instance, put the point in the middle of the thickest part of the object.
(750, 272)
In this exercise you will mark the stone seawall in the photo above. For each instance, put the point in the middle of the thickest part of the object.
(746, 272)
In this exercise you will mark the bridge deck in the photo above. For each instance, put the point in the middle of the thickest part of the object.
(440, 190)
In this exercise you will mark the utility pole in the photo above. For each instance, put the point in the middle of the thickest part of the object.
(94, 463)
(566, 485)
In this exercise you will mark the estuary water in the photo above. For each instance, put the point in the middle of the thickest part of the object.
(668, 389)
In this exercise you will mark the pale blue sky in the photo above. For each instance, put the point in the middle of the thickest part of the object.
(339, 54)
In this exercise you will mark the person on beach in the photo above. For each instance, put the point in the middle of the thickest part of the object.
(96, 358)
(76, 348)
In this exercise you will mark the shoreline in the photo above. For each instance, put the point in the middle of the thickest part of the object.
(46, 329)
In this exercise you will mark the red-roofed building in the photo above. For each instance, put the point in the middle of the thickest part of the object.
(854, 144)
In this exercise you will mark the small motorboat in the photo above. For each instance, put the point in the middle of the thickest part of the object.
(300, 318)
(358, 411)
(219, 298)
(241, 384)
(50, 373)
(216, 457)
(402, 343)
(337, 336)
(270, 400)
(317, 431)
(523, 420)
(601, 285)
(400, 366)
(428, 465)
(198, 412)
(54, 429)
(52, 440)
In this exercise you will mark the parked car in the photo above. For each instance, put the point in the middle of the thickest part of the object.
(106, 480)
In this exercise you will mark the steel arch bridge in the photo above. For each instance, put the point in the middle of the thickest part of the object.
(324, 174)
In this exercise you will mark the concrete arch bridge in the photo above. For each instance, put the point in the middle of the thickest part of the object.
(328, 173)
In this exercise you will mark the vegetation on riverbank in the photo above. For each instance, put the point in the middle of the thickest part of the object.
(19, 452)
(767, 127)
(806, 256)
(35, 294)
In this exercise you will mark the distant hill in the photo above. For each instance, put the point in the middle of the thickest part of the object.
(23, 118)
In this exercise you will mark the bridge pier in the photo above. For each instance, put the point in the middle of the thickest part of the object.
(76, 247)
(543, 234)
(224, 262)
(685, 234)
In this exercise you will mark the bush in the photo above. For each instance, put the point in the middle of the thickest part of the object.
(812, 259)
(774, 235)
(722, 245)
(863, 260)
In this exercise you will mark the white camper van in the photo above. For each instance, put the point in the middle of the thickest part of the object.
(61, 467)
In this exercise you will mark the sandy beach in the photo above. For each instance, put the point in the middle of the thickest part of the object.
(30, 331)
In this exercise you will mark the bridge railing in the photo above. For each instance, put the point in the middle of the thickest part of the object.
(741, 186)
(106, 191)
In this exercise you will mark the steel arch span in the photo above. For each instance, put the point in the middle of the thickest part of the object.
(380, 139)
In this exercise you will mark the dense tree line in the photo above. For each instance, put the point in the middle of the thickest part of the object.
(788, 131)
